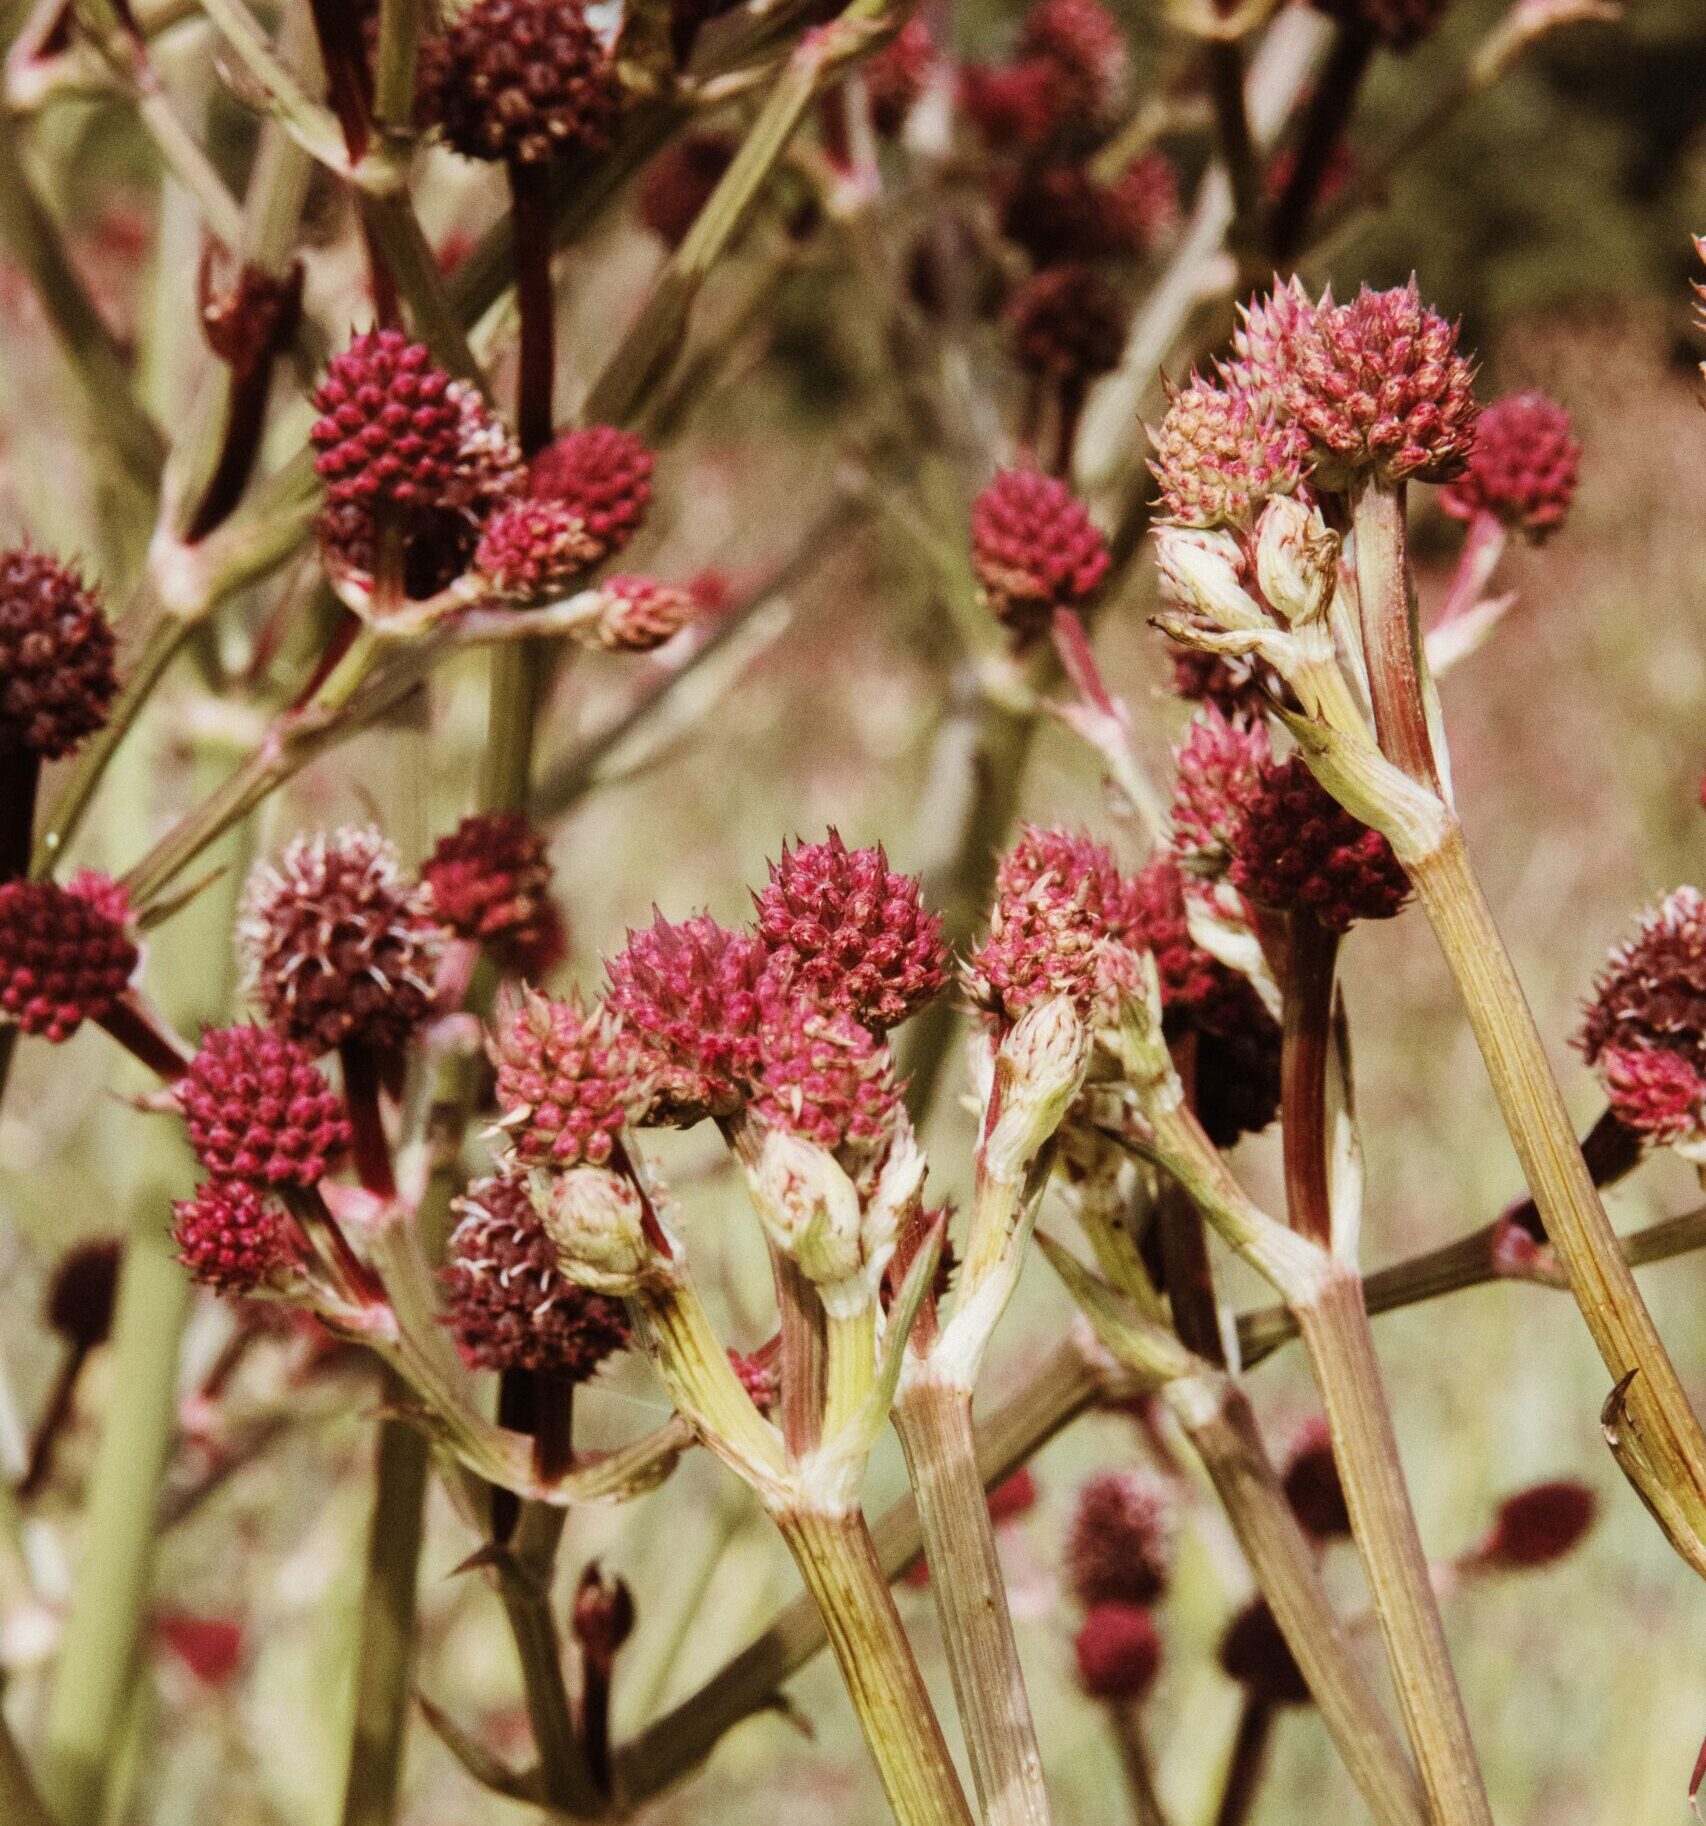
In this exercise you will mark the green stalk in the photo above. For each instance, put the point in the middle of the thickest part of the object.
(844, 1576)
(97, 1663)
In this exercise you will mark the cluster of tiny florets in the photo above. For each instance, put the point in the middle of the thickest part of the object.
(1652, 990)
(1190, 979)
(258, 1109)
(1058, 212)
(569, 1079)
(390, 427)
(338, 944)
(1270, 331)
(1034, 548)
(1066, 325)
(638, 614)
(232, 1238)
(1120, 1548)
(1297, 849)
(66, 954)
(1220, 453)
(1523, 468)
(1240, 688)
(854, 934)
(1083, 43)
(523, 81)
(491, 883)
(1118, 1652)
(602, 475)
(1658, 1093)
(1380, 388)
(56, 656)
(532, 550)
(507, 1303)
(1219, 763)
(824, 1077)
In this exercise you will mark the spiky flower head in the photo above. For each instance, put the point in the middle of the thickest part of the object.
(1523, 468)
(1066, 325)
(232, 1238)
(1538, 1525)
(337, 943)
(1219, 764)
(843, 927)
(1118, 1651)
(1034, 548)
(1084, 44)
(508, 1304)
(603, 475)
(1379, 386)
(259, 1109)
(1398, 24)
(678, 183)
(1312, 1485)
(491, 883)
(1255, 1653)
(1659, 1094)
(1120, 1548)
(569, 1079)
(66, 954)
(1265, 343)
(825, 1078)
(524, 81)
(56, 655)
(1296, 848)
(1222, 452)
(695, 991)
(1652, 990)
(531, 550)
(638, 614)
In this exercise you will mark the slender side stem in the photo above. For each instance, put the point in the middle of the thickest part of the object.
(1247, 1763)
(1335, 1330)
(1391, 638)
(1126, 1722)
(97, 1664)
(20, 774)
(385, 1640)
(935, 1427)
(530, 198)
(1311, 958)
(20, 1803)
(1225, 59)
(1329, 113)
(843, 1574)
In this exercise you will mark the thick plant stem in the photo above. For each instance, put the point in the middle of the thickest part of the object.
(1656, 1436)
(1311, 958)
(935, 1426)
(843, 1574)
(1334, 1325)
(1390, 633)
(97, 1663)
(385, 1643)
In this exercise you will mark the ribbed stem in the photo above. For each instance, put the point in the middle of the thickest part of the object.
(1391, 638)
(843, 1574)
(1335, 1330)
(935, 1427)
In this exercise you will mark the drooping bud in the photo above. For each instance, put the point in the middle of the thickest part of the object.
(1297, 560)
(809, 1208)
(1203, 572)
(1039, 1069)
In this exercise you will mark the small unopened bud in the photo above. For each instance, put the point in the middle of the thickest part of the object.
(603, 1615)
(1297, 559)
(1039, 1069)
(1203, 571)
(809, 1207)
(597, 1222)
(1136, 1040)
(894, 1199)
(1537, 1526)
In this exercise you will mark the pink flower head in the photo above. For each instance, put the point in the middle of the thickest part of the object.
(232, 1238)
(1120, 1548)
(1019, 106)
(1523, 467)
(260, 1110)
(390, 426)
(638, 614)
(1034, 548)
(1658, 1093)
(1220, 762)
(603, 475)
(507, 1303)
(1118, 1651)
(491, 884)
(569, 1080)
(1221, 453)
(824, 1077)
(1265, 344)
(532, 550)
(844, 928)
(64, 956)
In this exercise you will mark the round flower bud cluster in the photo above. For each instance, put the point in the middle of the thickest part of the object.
(1297, 849)
(1034, 548)
(1066, 325)
(1255, 1653)
(66, 954)
(1083, 43)
(532, 550)
(1220, 453)
(1312, 1485)
(1537, 1526)
(1270, 331)
(603, 475)
(523, 81)
(1219, 765)
(490, 881)
(508, 1304)
(825, 1078)
(568, 1080)
(1240, 688)
(1659, 1094)
(56, 656)
(597, 1222)
(1118, 1652)
(338, 945)
(844, 928)
(258, 1109)
(637, 614)
(1523, 468)
(1058, 212)
(1120, 1548)
(231, 1238)
(83, 1291)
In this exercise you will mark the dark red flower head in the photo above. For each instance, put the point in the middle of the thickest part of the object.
(1121, 1545)
(1238, 688)
(1084, 44)
(1312, 1485)
(569, 1080)
(1296, 848)
(1523, 468)
(1014, 107)
(1538, 1525)
(56, 655)
(843, 927)
(678, 183)
(1255, 1653)
(824, 1077)
(232, 1238)
(259, 1109)
(1398, 24)
(1652, 991)
(491, 883)
(1034, 548)
(694, 990)
(1118, 1650)
(338, 944)
(603, 475)
(1066, 325)
(523, 81)
(65, 954)
(507, 1303)
(391, 426)
(84, 1288)
(896, 75)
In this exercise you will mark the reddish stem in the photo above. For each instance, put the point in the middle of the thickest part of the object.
(1248, 1762)
(145, 1036)
(20, 773)
(1391, 640)
(371, 1147)
(1482, 546)
(1329, 114)
(1311, 961)
(530, 196)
